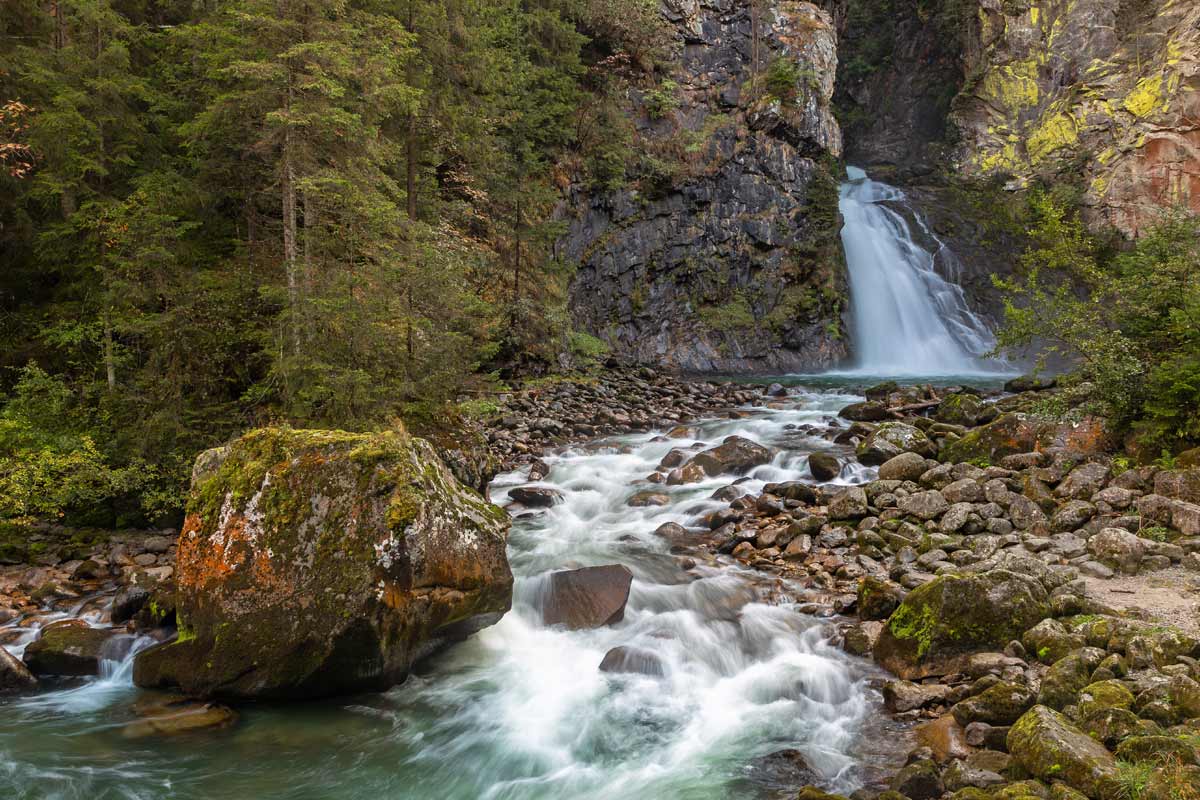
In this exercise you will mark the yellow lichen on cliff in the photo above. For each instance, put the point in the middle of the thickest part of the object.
(1145, 97)
(1056, 131)
(1013, 86)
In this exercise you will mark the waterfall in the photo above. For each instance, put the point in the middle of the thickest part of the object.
(907, 318)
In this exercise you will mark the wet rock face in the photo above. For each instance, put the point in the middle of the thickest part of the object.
(726, 257)
(70, 647)
(313, 563)
(1107, 86)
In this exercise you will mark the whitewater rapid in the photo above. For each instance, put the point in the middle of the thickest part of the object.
(521, 710)
(907, 318)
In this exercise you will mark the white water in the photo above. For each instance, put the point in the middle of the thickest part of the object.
(907, 318)
(521, 711)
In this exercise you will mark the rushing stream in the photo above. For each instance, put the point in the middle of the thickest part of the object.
(522, 710)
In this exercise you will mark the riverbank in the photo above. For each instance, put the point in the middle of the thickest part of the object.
(868, 558)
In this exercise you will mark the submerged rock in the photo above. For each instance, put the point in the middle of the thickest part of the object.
(314, 563)
(535, 496)
(591, 597)
(173, 716)
(632, 659)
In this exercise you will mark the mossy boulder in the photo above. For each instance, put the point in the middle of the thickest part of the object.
(942, 622)
(1053, 749)
(878, 598)
(890, 439)
(1103, 695)
(1157, 750)
(1068, 676)
(314, 563)
(1014, 433)
(1002, 703)
(70, 647)
(965, 409)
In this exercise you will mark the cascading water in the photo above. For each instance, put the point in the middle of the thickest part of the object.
(907, 318)
(522, 710)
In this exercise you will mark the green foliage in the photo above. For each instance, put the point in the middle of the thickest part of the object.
(663, 100)
(733, 315)
(587, 349)
(785, 79)
(1129, 321)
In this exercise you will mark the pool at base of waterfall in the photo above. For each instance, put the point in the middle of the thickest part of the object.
(751, 698)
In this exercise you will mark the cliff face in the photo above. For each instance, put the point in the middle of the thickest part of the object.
(1109, 89)
(729, 260)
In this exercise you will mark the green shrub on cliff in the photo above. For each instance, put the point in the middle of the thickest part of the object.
(1129, 322)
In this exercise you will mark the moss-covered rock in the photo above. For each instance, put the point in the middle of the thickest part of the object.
(1002, 703)
(1157, 750)
(1068, 676)
(1014, 433)
(878, 598)
(1053, 749)
(70, 647)
(890, 439)
(943, 621)
(965, 409)
(1103, 694)
(313, 563)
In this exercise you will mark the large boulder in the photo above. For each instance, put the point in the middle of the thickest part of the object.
(1014, 433)
(591, 597)
(1051, 748)
(314, 563)
(890, 439)
(735, 455)
(965, 409)
(904, 467)
(940, 623)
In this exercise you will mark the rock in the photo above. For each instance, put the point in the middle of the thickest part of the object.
(963, 491)
(630, 659)
(1050, 640)
(736, 454)
(945, 737)
(1118, 548)
(877, 598)
(591, 597)
(1051, 748)
(688, 473)
(776, 390)
(128, 602)
(1013, 434)
(890, 439)
(960, 775)
(940, 623)
(870, 411)
(648, 498)
(14, 675)
(1002, 703)
(900, 696)
(69, 647)
(535, 496)
(1160, 750)
(965, 409)
(848, 503)
(1029, 383)
(1083, 481)
(924, 505)
(1103, 695)
(860, 639)
(1072, 515)
(904, 467)
(824, 466)
(1068, 676)
(920, 780)
(1178, 484)
(1178, 514)
(314, 563)
(178, 716)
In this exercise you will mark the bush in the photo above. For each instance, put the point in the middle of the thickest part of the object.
(1130, 322)
(587, 350)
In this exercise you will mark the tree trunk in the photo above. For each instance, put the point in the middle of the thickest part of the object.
(288, 190)
(110, 365)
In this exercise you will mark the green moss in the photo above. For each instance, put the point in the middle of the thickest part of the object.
(909, 623)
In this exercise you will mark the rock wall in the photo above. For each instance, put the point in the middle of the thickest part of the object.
(1104, 89)
(728, 259)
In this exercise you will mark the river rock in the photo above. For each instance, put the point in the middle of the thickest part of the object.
(1118, 548)
(924, 505)
(70, 647)
(14, 676)
(904, 467)
(940, 623)
(175, 716)
(1002, 703)
(870, 411)
(824, 466)
(535, 496)
(900, 696)
(1051, 748)
(848, 503)
(632, 659)
(591, 597)
(736, 455)
(1014, 434)
(314, 563)
(890, 439)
